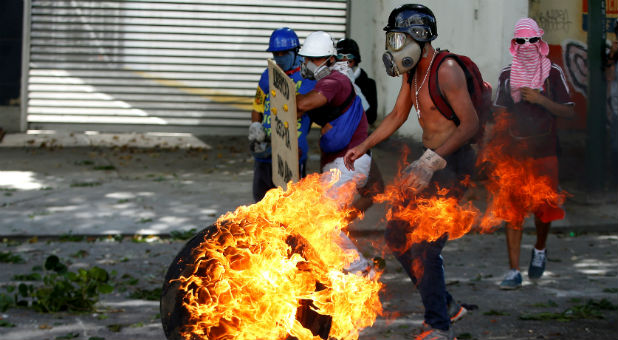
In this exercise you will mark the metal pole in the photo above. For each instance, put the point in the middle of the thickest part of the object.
(25, 67)
(597, 98)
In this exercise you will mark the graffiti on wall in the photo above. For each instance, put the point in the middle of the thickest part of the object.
(575, 61)
(554, 20)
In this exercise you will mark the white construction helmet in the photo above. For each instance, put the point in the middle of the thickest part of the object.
(318, 44)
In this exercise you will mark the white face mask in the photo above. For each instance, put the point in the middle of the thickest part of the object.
(310, 71)
(403, 60)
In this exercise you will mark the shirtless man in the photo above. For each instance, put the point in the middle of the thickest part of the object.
(448, 158)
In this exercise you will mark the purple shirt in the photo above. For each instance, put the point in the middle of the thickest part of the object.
(531, 125)
(337, 87)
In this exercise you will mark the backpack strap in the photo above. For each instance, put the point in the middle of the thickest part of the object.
(436, 95)
(327, 113)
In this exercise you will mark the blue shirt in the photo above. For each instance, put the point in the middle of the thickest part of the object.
(262, 104)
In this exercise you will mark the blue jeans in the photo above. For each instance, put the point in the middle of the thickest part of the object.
(429, 279)
(430, 284)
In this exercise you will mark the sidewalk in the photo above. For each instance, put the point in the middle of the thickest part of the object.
(158, 183)
(55, 188)
(119, 184)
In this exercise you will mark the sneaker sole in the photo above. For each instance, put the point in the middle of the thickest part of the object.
(534, 277)
(460, 314)
(509, 288)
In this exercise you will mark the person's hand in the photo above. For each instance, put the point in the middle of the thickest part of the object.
(325, 128)
(419, 173)
(533, 96)
(258, 149)
(352, 155)
(256, 132)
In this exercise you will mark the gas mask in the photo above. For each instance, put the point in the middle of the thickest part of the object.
(312, 72)
(402, 53)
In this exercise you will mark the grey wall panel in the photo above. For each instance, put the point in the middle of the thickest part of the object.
(158, 65)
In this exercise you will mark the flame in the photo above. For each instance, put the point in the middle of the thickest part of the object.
(515, 191)
(417, 268)
(428, 218)
(266, 260)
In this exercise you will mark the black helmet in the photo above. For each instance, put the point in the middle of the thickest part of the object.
(416, 20)
(349, 46)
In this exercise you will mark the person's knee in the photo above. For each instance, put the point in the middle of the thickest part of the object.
(395, 236)
(431, 252)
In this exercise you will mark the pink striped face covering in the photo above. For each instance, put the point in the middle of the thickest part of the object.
(530, 65)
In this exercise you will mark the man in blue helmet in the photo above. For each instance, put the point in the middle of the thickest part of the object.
(448, 156)
(284, 45)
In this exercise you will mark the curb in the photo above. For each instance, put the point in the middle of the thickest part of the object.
(561, 230)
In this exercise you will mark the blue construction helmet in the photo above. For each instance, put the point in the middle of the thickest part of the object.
(283, 39)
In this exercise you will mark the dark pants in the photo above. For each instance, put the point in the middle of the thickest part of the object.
(263, 178)
(375, 182)
(423, 261)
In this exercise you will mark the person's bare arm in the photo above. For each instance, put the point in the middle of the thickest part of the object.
(309, 101)
(454, 87)
(536, 97)
(389, 125)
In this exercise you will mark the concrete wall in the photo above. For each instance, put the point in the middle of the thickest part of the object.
(10, 118)
(480, 29)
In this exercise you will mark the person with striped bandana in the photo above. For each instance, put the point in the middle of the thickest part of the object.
(532, 94)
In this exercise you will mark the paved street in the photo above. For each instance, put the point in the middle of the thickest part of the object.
(127, 204)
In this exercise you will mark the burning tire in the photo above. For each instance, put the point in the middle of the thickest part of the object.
(175, 316)
(271, 270)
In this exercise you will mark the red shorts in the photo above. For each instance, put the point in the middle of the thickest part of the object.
(548, 167)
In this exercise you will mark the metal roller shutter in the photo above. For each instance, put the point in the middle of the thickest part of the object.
(158, 65)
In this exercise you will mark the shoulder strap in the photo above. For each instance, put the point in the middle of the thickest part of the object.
(327, 113)
(347, 101)
(434, 87)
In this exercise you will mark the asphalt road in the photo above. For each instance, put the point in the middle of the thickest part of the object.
(97, 206)
(582, 272)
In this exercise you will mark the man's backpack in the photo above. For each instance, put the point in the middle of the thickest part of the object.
(480, 91)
